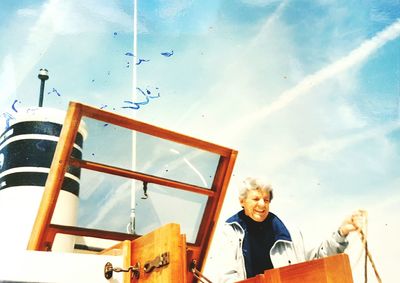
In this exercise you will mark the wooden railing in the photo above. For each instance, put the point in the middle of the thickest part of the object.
(333, 269)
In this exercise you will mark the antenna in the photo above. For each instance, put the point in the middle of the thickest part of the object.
(43, 76)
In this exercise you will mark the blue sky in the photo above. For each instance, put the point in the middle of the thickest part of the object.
(307, 91)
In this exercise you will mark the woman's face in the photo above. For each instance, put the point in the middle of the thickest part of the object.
(256, 205)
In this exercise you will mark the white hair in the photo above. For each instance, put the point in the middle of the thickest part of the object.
(251, 183)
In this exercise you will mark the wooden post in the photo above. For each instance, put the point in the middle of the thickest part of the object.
(166, 239)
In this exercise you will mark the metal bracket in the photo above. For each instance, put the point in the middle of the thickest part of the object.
(158, 261)
(109, 269)
(145, 195)
(197, 274)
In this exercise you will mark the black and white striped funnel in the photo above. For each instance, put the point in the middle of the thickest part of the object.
(26, 152)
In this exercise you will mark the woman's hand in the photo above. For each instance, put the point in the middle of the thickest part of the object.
(353, 222)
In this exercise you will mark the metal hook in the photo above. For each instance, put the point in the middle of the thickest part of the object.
(109, 269)
(145, 196)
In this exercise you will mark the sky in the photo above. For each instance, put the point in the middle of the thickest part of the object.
(308, 93)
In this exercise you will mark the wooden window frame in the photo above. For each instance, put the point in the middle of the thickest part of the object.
(43, 232)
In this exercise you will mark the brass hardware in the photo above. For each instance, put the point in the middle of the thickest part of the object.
(158, 261)
(109, 269)
(197, 274)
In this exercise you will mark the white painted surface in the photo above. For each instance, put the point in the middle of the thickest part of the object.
(18, 210)
(34, 266)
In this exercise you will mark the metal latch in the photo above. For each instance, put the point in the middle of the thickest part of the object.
(109, 269)
(158, 261)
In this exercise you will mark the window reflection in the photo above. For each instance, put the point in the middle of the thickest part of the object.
(106, 202)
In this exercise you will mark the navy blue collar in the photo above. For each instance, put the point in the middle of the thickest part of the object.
(279, 229)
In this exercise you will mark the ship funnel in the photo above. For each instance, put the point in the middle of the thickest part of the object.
(26, 152)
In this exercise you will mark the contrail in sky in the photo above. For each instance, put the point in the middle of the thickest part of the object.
(354, 57)
(326, 149)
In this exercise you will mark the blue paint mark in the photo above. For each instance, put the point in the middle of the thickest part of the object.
(41, 145)
(129, 54)
(142, 60)
(127, 64)
(148, 93)
(54, 91)
(8, 117)
(115, 33)
(103, 106)
(105, 125)
(93, 81)
(108, 73)
(13, 106)
(136, 105)
(168, 54)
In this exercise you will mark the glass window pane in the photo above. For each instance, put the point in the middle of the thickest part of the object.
(175, 161)
(166, 205)
(112, 145)
(105, 203)
(107, 144)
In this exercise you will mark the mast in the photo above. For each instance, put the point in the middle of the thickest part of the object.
(43, 76)
(131, 224)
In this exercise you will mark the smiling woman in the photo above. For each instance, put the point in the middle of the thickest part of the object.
(257, 240)
(255, 197)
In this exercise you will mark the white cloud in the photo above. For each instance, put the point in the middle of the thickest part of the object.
(327, 149)
(73, 17)
(7, 88)
(51, 19)
(37, 41)
(347, 114)
(272, 19)
(172, 8)
(27, 12)
(354, 57)
(7, 79)
(260, 3)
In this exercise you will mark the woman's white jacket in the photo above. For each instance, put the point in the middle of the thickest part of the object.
(287, 249)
